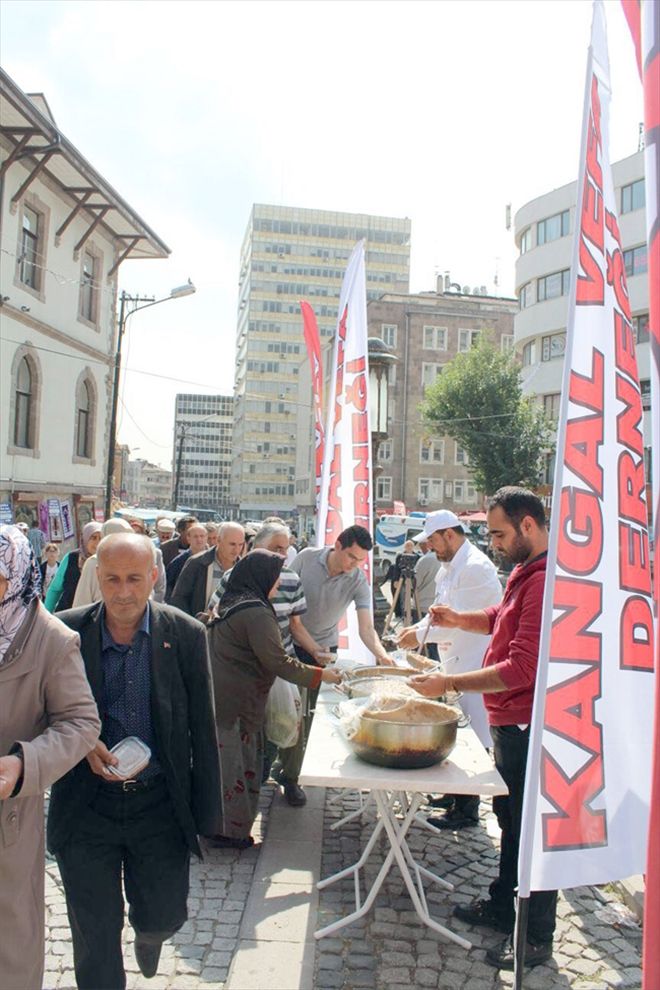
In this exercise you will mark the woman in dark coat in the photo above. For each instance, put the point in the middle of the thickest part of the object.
(246, 657)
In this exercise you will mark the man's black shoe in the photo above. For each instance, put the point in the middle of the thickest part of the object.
(294, 795)
(147, 955)
(481, 912)
(502, 955)
(452, 820)
(445, 801)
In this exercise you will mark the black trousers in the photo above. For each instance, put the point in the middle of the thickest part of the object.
(510, 746)
(134, 834)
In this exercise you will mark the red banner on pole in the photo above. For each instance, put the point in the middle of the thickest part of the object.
(587, 790)
(313, 343)
(644, 21)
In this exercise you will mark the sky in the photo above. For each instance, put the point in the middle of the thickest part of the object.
(441, 111)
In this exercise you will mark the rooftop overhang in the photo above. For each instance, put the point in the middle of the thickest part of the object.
(32, 137)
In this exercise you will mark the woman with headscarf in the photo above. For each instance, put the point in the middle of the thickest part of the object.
(87, 589)
(48, 723)
(63, 586)
(246, 657)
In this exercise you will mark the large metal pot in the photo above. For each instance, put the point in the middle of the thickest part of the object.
(404, 745)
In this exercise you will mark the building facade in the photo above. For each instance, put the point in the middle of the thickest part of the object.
(544, 230)
(425, 470)
(148, 485)
(65, 231)
(203, 428)
(289, 255)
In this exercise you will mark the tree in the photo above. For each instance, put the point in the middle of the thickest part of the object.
(478, 401)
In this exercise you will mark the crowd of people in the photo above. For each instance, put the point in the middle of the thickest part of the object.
(135, 680)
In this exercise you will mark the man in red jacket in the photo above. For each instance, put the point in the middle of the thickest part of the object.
(518, 533)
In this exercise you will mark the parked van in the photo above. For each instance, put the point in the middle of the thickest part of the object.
(393, 531)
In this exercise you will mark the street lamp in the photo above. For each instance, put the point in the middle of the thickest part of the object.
(381, 359)
(129, 305)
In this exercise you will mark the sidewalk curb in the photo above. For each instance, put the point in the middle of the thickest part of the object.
(276, 945)
(631, 892)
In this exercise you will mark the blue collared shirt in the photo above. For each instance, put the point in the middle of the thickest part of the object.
(127, 690)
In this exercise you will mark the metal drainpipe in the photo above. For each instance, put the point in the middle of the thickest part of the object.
(404, 410)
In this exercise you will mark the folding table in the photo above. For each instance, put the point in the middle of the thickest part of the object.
(330, 762)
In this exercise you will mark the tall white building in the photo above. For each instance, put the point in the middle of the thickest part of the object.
(544, 230)
(203, 426)
(288, 255)
(65, 232)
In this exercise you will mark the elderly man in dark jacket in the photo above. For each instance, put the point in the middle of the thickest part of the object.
(201, 574)
(149, 671)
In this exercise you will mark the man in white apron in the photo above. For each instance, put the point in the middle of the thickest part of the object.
(466, 580)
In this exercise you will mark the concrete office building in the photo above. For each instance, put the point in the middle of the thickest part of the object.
(544, 230)
(290, 254)
(148, 485)
(201, 459)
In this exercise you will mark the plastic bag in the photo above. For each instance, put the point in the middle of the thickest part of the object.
(283, 714)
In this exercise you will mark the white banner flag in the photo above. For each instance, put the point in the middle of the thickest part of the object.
(585, 815)
(346, 480)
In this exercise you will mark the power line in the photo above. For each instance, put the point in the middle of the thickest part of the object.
(90, 360)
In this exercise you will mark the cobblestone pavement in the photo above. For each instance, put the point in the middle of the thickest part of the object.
(391, 948)
(199, 954)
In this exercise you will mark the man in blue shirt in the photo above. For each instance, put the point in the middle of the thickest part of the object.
(148, 668)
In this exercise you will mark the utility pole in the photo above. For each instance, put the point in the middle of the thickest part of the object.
(138, 302)
(177, 473)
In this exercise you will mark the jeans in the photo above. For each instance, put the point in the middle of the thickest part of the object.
(134, 834)
(510, 751)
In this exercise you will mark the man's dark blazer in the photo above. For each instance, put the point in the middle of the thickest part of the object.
(171, 548)
(183, 719)
(190, 589)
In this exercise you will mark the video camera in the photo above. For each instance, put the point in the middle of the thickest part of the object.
(407, 563)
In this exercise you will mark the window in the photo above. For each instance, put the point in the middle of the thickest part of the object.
(549, 469)
(429, 373)
(553, 346)
(460, 455)
(467, 339)
(529, 354)
(30, 233)
(385, 451)
(553, 286)
(641, 328)
(506, 342)
(430, 490)
(388, 334)
(432, 452)
(88, 287)
(526, 241)
(435, 338)
(23, 406)
(526, 295)
(632, 196)
(553, 227)
(384, 489)
(635, 260)
(551, 403)
(645, 389)
(470, 493)
(459, 491)
(83, 421)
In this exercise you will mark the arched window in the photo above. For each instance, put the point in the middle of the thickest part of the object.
(23, 425)
(83, 420)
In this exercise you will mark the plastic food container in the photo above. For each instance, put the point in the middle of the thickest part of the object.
(133, 756)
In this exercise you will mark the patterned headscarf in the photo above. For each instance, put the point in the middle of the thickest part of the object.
(19, 567)
(88, 532)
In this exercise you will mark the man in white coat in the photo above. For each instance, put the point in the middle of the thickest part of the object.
(466, 579)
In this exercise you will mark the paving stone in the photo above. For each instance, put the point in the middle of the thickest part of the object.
(426, 978)
(213, 975)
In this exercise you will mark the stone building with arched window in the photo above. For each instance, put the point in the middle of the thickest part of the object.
(65, 232)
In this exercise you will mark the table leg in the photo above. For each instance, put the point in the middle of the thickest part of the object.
(396, 833)
(364, 804)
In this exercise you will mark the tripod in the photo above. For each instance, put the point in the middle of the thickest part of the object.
(407, 583)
